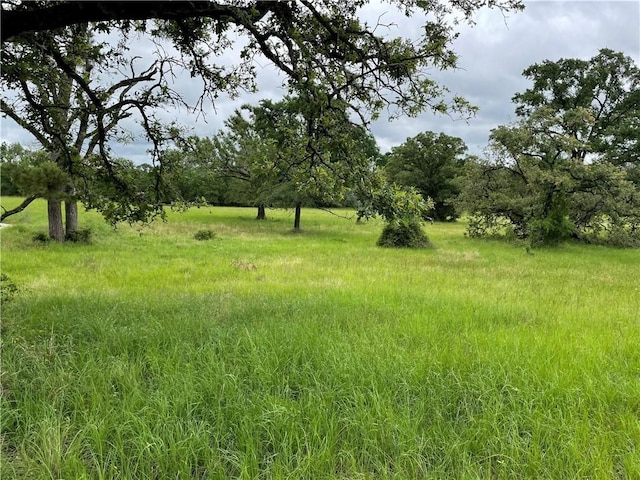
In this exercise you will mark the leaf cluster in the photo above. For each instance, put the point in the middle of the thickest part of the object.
(293, 150)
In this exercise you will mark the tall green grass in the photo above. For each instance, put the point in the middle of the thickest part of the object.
(269, 354)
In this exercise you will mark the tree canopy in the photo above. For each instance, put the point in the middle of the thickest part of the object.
(289, 154)
(429, 162)
(57, 106)
(326, 53)
(564, 169)
(319, 46)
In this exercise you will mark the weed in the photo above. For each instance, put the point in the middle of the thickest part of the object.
(41, 238)
(244, 265)
(8, 289)
(204, 235)
(82, 235)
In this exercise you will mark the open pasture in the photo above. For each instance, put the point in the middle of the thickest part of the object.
(267, 354)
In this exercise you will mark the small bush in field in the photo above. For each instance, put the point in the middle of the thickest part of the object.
(204, 235)
(403, 235)
(8, 289)
(41, 237)
(403, 210)
(82, 235)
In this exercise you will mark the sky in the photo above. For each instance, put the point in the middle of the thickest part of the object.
(492, 55)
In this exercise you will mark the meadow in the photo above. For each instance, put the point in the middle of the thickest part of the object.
(267, 354)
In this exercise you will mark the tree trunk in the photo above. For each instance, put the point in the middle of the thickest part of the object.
(54, 212)
(296, 221)
(71, 216)
(262, 214)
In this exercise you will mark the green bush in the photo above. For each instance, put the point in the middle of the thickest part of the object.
(615, 235)
(403, 234)
(8, 289)
(41, 237)
(82, 235)
(204, 235)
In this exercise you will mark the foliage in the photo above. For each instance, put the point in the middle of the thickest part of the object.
(403, 234)
(41, 237)
(8, 289)
(393, 202)
(10, 156)
(30, 172)
(558, 172)
(82, 235)
(402, 210)
(596, 101)
(326, 54)
(287, 153)
(430, 163)
(70, 91)
(190, 177)
(143, 183)
(204, 234)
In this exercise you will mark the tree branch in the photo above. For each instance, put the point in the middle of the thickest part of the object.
(25, 203)
(15, 22)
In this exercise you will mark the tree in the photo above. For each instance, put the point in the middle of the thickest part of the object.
(289, 154)
(430, 163)
(32, 174)
(192, 177)
(325, 52)
(606, 86)
(11, 156)
(245, 154)
(562, 170)
(56, 106)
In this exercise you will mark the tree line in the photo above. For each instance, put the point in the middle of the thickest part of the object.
(71, 88)
(567, 168)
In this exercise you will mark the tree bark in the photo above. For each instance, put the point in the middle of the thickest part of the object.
(54, 212)
(71, 216)
(262, 214)
(296, 221)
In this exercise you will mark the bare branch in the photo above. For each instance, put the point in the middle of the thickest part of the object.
(25, 203)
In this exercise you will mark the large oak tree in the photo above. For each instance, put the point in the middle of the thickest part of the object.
(290, 154)
(565, 168)
(56, 106)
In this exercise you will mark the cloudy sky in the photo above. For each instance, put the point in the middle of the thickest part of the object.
(492, 54)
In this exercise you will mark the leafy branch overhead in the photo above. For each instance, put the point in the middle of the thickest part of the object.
(326, 53)
(319, 45)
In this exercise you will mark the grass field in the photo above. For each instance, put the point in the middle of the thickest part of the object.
(265, 354)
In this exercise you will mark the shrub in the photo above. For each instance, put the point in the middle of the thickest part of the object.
(82, 235)
(41, 237)
(402, 210)
(204, 235)
(615, 235)
(8, 289)
(403, 234)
